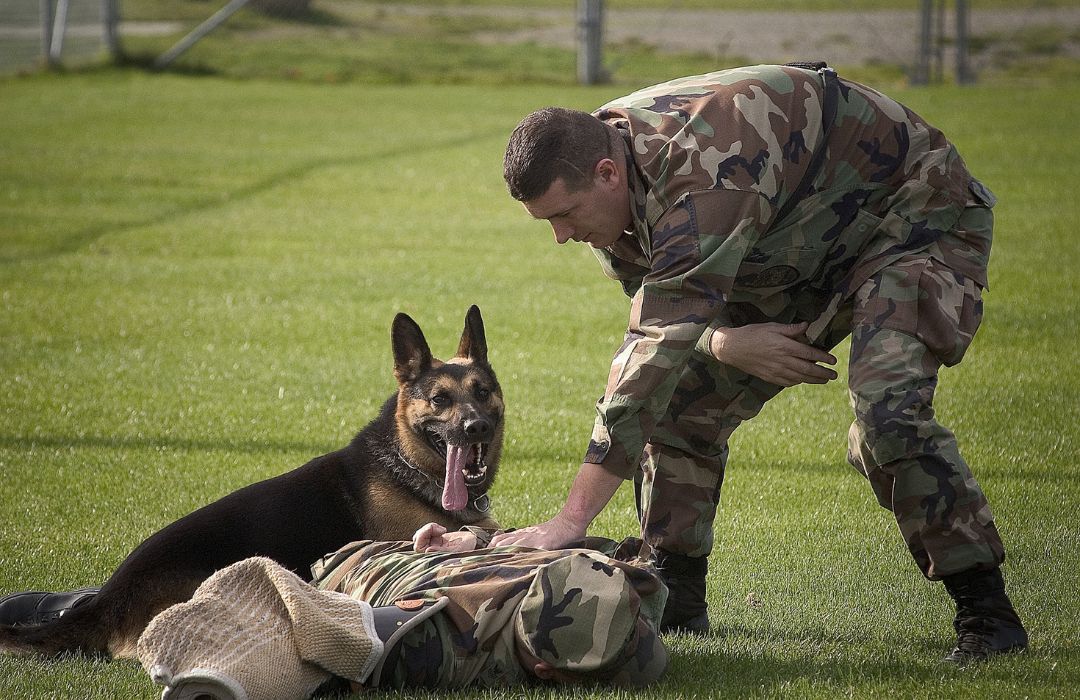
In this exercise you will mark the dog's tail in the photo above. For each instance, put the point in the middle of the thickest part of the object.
(83, 629)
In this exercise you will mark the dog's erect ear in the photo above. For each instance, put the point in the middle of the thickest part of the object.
(411, 354)
(473, 343)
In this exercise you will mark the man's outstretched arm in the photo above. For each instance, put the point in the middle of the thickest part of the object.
(593, 487)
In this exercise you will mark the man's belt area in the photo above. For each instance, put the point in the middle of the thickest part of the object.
(392, 623)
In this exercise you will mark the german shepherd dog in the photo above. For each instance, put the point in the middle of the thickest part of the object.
(430, 456)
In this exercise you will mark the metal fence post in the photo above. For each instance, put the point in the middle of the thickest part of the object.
(110, 13)
(922, 59)
(963, 69)
(213, 22)
(56, 48)
(590, 41)
(939, 44)
(46, 13)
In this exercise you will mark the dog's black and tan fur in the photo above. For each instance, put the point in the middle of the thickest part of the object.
(384, 485)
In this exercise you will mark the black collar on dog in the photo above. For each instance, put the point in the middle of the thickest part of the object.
(481, 503)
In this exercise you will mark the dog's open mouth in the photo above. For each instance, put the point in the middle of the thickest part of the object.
(464, 467)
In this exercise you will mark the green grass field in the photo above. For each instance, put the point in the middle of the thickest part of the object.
(197, 279)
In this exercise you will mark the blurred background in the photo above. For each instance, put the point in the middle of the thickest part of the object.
(544, 41)
(211, 209)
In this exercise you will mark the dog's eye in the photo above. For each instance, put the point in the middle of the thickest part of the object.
(483, 394)
(440, 400)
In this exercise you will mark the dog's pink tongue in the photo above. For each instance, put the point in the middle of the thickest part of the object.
(455, 496)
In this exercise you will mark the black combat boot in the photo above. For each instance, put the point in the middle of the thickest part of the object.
(986, 623)
(39, 607)
(686, 609)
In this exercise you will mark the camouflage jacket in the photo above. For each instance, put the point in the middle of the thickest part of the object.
(711, 160)
(474, 637)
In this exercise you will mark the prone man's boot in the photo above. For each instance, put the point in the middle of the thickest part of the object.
(986, 623)
(686, 609)
(39, 607)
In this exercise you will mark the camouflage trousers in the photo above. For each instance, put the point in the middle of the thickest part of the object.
(591, 611)
(905, 322)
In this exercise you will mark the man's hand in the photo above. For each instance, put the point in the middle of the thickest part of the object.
(593, 487)
(433, 537)
(776, 352)
(555, 533)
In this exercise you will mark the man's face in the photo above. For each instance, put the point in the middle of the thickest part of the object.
(597, 215)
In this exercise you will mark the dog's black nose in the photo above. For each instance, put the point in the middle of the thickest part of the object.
(478, 429)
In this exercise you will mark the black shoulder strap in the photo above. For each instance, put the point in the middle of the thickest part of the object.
(808, 65)
(829, 100)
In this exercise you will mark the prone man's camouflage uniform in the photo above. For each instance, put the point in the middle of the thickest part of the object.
(890, 245)
(580, 610)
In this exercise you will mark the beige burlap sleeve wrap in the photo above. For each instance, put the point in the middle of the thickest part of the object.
(255, 631)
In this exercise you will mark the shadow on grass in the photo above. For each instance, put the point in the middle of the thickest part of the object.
(80, 239)
(841, 469)
(767, 675)
(738, 662)
(170, 443)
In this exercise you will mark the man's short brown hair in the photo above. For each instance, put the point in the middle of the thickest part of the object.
(553, 143)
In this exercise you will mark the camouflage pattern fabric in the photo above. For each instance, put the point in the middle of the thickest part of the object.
(890, 245)
(582, 611)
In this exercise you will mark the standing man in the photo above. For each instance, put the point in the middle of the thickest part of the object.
(756, 217)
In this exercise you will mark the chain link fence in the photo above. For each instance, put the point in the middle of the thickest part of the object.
(387, 41)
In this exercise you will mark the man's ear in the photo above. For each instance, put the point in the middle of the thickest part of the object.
(606, 172)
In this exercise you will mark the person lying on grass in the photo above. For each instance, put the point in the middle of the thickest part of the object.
(444, 611)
